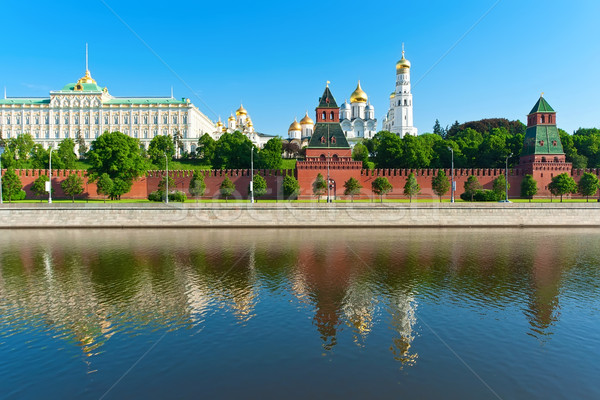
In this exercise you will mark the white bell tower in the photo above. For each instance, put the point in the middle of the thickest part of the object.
(399, 118)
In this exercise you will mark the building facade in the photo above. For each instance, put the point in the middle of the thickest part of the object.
(241, 123)
(399, 118)
(85, 109)
(358, 118)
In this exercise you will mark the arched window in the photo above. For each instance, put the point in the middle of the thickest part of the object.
(324, 115)
(405, 102)
(331, 115)
(543, 159)
(543, 119)
(322, 157)
(335, 157)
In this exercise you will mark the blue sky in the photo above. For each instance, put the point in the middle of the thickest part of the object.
(276, 57)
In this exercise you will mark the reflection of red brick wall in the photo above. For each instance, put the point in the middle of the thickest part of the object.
(306, 173)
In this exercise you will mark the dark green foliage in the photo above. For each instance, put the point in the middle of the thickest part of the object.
(291, 187)
(227, 188)
(260, 186)
(159, 147)
(39, 186)
(175, 196)
(66, 154)
(381, 186)
(319, 187)
(360, 153)
(480, 195)
(40, 158)
(562, 184)
(157, 195)
(486, 125)
(72, 186)
(588, 185)
(351, 188)
(499, 187)
(197, 185)
(438, 130)
(104, 185)
(528, 187)
(232, 151)
(269, 157)
(440, 184)
(205, 151)
(120, 157)
(11, 186)
(411, 187)
(471, 186)
(587, 142)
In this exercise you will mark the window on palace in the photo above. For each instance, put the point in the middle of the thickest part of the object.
(156, 119)
(155, 133)
(46, 120)
(87, 120)
(135, 119)
(97, 133)
(174, 119)
(127, 119)
(18, 120)
(145, 134)
(66, 120)
(37, 120)
(116, 119)
(145, 119)
(185, 119)
(96, 120)
(77, 120)
(8, 120)
(56, 134)
(135, 133)
(185, 133)
(87, 134)
(27, 120)
(106, 120)
(165, 119)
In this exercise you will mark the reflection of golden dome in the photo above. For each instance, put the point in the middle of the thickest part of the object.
(87, 78)
(241, 111)
(306, 120)
(295, 126)
(392, 95)
(359, 95)
(402, 64)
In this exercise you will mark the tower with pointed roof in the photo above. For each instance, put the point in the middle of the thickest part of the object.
(399, 118)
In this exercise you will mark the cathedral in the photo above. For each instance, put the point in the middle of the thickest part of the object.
(241, 123)
(399, 118)
(358, 118)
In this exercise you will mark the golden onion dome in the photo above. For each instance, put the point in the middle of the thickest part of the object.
(241, 111)
(231, 118)
(249, 122)
(295, 126)
(392, 95)
(402, 64)
(359, 95)
(306, 120)
(219, 123)
(87, 78)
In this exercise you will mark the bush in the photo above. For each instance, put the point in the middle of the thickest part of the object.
(481, 195)
(157, 195)
(177, 196)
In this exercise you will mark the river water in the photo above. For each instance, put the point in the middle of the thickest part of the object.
(364, 313)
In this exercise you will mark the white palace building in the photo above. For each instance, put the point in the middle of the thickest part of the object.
(86, 108)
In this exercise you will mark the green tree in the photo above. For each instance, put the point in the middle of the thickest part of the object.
(206, 149)
(11, 185)
(197, 185)
(351, 188)
(66, 154)
(471, 186)
(499, 187)
(437, 129)
(72, 186)
(361, 153)
(319, 187)
(233, 151)
(104, 185)
(291, 187)
(440, 184)
(39, 186)
(227, 188)
(411, 187)
(381, 186)
(562, 184)
(40, 158)
(160, 146)
(269, 157)
(528, 187)
(588, 185)
(81, 144)
(178, 142)
(120, 157)
(260, 186)
(24, 144)
(388, 150)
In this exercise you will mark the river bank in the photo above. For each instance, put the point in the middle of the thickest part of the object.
(298, 215)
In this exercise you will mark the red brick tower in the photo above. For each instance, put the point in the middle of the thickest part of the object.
(328, 152)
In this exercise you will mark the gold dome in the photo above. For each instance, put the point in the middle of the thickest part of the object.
(250, 122)
(219, 123)
(359, 95)
(241, 111)
(392, 95)
(231, 118)
(295, 126)
(87, 78)
(306, 120)
(402, 64)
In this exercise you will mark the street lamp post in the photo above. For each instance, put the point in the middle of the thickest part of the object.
(452, 176)
(252, 175)
(328, 181)
(167, 187)
(50, 177)
(506, 175)
(1, 152)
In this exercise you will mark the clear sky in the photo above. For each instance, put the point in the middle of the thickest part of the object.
(470, 59)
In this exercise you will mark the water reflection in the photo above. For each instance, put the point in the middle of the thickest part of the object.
(87, 286)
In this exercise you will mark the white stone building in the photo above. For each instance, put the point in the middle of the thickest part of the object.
(399, 118)
(86, 108)
(358, 118)
(241, 123)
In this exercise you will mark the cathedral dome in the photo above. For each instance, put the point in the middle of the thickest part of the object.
(345, 106)
(402, 64)
(359, 95)
(370, 107)
(231, 118)
(241, 111)
(295, 126)
(392, 95)
(306, 120)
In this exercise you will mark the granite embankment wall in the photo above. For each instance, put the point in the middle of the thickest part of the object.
(298, 215)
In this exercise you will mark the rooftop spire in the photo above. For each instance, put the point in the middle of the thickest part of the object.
(402, 49)
(86, 57)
